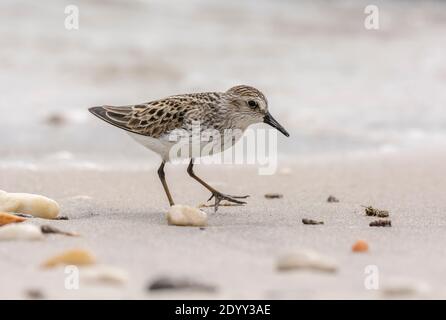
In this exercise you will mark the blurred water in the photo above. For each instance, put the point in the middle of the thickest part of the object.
(334, 85)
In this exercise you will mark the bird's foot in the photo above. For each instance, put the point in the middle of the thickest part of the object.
(220, 196)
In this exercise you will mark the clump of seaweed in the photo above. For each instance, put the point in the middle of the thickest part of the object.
(373, 212)
(381, 223)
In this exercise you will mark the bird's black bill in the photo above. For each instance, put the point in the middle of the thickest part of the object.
(273, 123)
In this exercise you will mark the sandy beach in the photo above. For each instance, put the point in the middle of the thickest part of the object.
(121, 218)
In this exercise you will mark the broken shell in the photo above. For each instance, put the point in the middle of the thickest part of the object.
(273, 196)
(36, 205)
(78, 257)
(360, 246)
(20, 232)
(104, 274)
(310, 221)
(181, 215)
(381, 223)
(308, 260)
(6, 218)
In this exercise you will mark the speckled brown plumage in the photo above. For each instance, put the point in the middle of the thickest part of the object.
(214, 110)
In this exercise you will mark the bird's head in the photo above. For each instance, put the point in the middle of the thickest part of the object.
(252, 107)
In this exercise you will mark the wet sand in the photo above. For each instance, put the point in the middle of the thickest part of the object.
(120, 216)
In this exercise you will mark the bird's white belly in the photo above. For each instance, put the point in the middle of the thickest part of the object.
(159, 146)
(186, 148)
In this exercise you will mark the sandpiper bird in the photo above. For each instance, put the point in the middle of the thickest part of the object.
(153, 123)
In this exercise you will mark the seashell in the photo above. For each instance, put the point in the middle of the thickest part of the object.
(77, 257)
(360, 246)
(308, 260)
(16, 231)
(36, 205)
(6, 218)
(104, 274)
(181, 215)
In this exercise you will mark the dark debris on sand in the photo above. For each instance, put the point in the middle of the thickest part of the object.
(381, 223)
(167, 283)
(332, 199)
(310, 221)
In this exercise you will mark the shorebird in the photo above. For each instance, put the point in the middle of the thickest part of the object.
(153, 123)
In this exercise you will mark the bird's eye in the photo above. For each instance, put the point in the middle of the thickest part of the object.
(253, 104)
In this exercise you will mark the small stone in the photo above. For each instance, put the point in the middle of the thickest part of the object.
(381, 223)
(104, 274)
(305, 260)
(6, 218)
(77, 257)
(181, 215)
(166, 283)
(332, 199)
(21, 231)
(51, 229)
(273, 196)
(34, 294)
(360, 246)
(310, 221)
(36, 205)
(56, 120)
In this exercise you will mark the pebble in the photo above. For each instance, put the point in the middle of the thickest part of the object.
(35, 205)
(104, 274)
(181, 215)
(20, 231)
(305, 260)
(381, 223)
(34, 294)
(310, 221)
(360, 246)
(77, 257)
(56, 120)
(166, 283)
(6, 218)
(332, 199)
(51, 229)
(273, 196)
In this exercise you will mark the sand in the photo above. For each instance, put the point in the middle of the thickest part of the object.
(121, 217)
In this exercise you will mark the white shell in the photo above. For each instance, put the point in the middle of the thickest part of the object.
(181, 215)
(20, 231)
(36, 205)
(309, 260)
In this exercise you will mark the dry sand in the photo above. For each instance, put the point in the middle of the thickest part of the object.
(123, 223)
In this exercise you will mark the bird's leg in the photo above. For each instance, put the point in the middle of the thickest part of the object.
(215, 194)
(163, 181)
